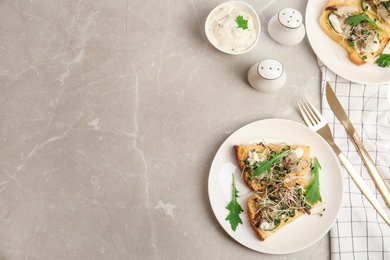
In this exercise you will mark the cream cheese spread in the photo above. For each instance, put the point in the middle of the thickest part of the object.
(224, 28)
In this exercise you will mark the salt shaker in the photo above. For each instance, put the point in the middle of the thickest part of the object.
(287, 27)
(267, 75)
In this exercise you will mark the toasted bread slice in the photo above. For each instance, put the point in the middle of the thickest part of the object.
(359, 53)
(245, 153)
(262, 217)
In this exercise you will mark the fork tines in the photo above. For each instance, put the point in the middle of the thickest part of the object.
(310, 114)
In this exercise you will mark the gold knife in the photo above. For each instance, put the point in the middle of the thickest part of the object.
(356, 140)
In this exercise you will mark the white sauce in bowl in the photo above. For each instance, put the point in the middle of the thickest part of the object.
(225, 33)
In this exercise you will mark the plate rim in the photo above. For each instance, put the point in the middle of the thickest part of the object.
(320, 140)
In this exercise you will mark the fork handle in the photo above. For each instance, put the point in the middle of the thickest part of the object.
(361, 183)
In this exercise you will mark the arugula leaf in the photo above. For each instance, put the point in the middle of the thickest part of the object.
(234, 208)
(354, 20)
(313, 189)
(266, 166)
(383, 60)
(241, 22)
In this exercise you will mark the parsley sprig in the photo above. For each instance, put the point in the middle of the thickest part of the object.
(383, 60)
(354, 20)
(241, 22)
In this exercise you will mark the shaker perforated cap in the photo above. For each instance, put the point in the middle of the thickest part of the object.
(290, 18)
(270, 69)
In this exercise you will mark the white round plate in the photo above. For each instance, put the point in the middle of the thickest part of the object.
(304, 231)
(334, 56)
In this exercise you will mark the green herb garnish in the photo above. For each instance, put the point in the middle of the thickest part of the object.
(241, 22)
(234, 208)
(383, 60)
(357, 19)
(313, 189)
(266, 166)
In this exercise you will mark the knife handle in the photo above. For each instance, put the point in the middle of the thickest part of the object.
(372, 169)
(360, 183)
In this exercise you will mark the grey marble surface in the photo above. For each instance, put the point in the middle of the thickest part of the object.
(111, 113)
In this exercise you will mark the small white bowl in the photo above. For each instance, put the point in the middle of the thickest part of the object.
(222, 29)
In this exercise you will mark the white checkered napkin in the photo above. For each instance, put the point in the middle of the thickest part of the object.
(359, 231)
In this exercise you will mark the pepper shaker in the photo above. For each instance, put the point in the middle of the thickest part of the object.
(267, 75)
(287, 27)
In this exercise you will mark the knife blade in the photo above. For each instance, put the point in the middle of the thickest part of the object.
(340, 113)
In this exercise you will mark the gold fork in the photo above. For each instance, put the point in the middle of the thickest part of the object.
(315, 121)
